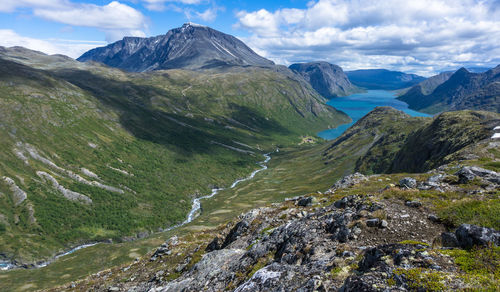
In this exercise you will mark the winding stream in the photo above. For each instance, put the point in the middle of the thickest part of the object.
(195, 211)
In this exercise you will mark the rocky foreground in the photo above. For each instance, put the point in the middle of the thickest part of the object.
(367, 233)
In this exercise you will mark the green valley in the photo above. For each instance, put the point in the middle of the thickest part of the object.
(103, 154)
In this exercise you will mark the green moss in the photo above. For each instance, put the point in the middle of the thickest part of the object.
(495, 166)
(413, 242)
(420, 279)
(483, 213)
(261, 262)
(481, 265)
(334, 271)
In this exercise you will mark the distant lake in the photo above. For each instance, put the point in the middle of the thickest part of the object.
(358, 105)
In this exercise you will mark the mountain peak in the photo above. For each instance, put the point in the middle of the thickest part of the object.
(192, 46)
(192, 24)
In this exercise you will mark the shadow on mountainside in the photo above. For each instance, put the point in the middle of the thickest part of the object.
(184, 135)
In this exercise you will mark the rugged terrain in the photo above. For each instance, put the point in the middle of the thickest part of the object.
(191, 46)
(383, 79)
(388, 141)
(92, 153)
(462, 90)
(366, 233)
(434, 230)
(327, 79)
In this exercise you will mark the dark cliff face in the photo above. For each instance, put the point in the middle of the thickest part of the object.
(463, 90)
(188, 47)
(383, 79)
(327, 79)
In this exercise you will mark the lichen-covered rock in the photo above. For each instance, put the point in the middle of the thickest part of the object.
(408, 182)
(470, 235)
(468, 173)
(348, 181)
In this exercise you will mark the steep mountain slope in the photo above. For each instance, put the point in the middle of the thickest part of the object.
(389, 141)
(463, 90)
(383, 79)
(327, 79)
(426, 87)
(191, 46)
(93, 153)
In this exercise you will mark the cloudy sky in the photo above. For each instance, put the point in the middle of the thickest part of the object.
(423, 37)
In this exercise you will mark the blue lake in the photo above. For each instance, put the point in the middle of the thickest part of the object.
(358, 105)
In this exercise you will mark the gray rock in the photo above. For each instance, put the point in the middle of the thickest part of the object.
(215, 244)
(305, 202)
(449, 239)
(349, 181)
(235, 232)
(470, 235)
(373, 222)
(433, 218)
(408, 182)
(384, 224)
(468, 173)
(413, 204)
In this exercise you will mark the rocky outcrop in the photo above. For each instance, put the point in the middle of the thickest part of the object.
(18, 195)
(287, 249)
(191, 46)
(327, 79)
(348, 181)
(469, 173)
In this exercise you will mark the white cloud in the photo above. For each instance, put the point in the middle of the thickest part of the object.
(208, 15)
(423, 36)
(12, 5)
(159, 5)
(71, 48)
(115, 19)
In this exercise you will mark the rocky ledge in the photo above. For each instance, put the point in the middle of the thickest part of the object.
(364, 234)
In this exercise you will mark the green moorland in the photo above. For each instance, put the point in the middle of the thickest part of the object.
(93, 153)
(300, 170)
(303, 170)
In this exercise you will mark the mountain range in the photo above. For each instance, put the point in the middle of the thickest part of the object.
(119, 147)
(460, 90)
(191, 46)
(383, 79)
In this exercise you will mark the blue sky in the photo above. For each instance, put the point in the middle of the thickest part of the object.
(423, 37)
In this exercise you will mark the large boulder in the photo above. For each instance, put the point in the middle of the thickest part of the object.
(349, 181)
(470, 235)
(408, 182)
(468, 173)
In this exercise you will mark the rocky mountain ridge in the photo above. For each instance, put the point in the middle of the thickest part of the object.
(327, 79)
(191, 47)
(462, 90)
(382, 79)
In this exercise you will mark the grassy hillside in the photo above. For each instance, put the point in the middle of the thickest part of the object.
(92, 153)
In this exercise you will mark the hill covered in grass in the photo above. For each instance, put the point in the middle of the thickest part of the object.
(94, 153)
